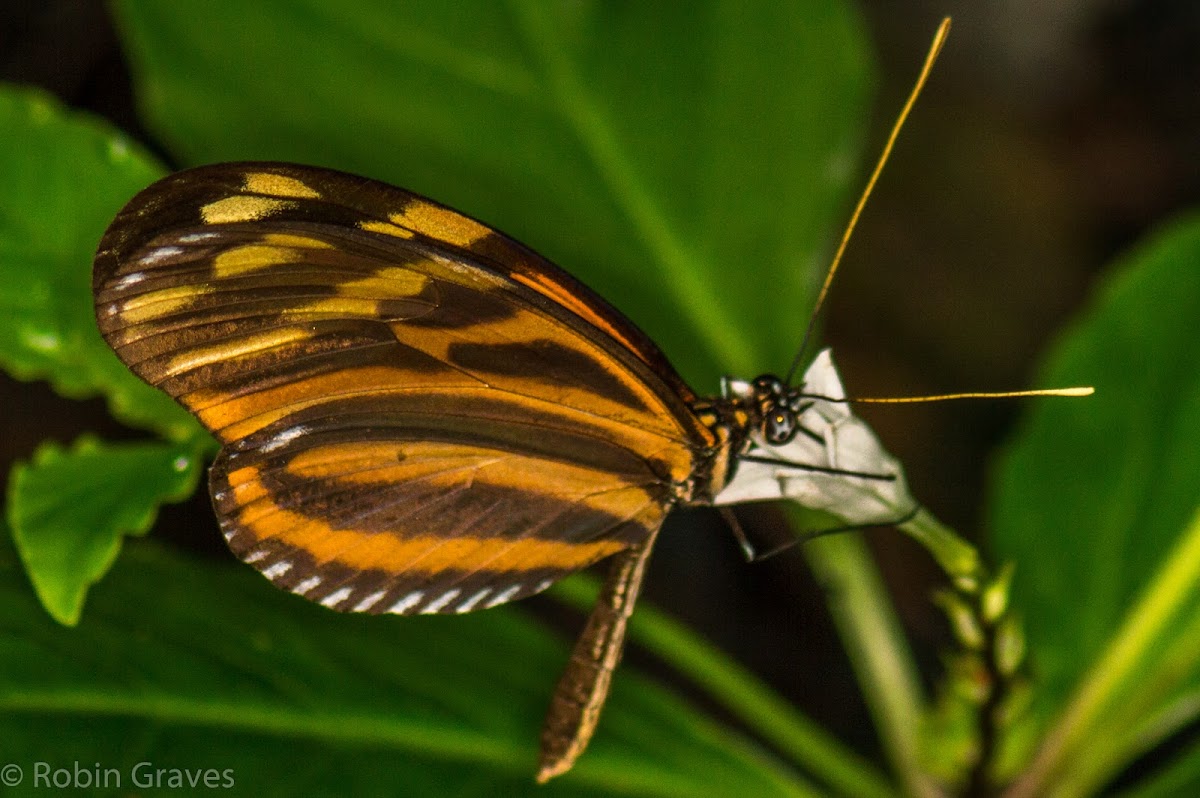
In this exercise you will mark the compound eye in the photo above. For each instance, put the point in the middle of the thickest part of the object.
(779, 425)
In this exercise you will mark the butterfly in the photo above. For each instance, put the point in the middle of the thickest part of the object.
(417, 414)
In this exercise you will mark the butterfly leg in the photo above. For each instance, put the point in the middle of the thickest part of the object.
(580, 694)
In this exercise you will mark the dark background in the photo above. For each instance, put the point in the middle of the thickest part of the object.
(1051, 137)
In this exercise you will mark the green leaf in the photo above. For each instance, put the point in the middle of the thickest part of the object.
(69, 510)
(686, 160)
(63, 176)
(1093, 498)
(194, 665)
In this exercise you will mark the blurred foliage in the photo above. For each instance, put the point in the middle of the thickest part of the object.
(1098, 507)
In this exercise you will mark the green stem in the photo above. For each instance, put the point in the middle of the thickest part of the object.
(1144, 627)
(956, 557)
(878, 651)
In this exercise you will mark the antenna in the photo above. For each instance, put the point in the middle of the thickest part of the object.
(939, 39)
(899, 400)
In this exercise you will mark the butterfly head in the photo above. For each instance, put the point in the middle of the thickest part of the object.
(774, 407)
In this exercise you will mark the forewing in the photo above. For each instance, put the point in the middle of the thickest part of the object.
(418, 414)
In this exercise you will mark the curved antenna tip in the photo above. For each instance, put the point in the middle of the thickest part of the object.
(1086, 390)
(935, 47)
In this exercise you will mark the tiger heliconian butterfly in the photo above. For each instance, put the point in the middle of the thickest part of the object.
(417, 414)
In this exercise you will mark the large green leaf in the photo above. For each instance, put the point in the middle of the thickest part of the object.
(63, 176)
(685, 159)
(1093, 499)
(190, 665)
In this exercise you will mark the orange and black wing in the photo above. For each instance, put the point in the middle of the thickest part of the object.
(417, 414)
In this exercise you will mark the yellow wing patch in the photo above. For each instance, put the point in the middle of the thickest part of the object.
(293, 240)
(231, 210)
(389, 282)
(251, 258)
(279, 186)
(163, 302)
(245, 346)
(386, 228)
(441, 223)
